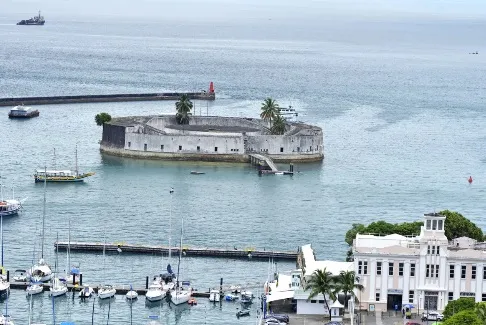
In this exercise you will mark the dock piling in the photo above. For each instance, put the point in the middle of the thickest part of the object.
(81, 279)
(146, 282)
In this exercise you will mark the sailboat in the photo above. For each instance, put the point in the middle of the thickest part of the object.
(9, 207)
(61, 176)
(4, 284)
(58, 287)
(106, 291)
(42, 271)
(179, 295)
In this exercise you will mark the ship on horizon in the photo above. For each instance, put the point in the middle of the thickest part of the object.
(36, 20)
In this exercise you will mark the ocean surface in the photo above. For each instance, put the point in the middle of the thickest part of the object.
(401, 104)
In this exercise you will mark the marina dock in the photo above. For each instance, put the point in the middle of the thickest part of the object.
(13, 101)
(267, 166)
(246, 253)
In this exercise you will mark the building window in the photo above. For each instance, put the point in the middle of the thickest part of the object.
(410, 296)
(428, 249)
(451, 271)
(484, 272)
(412, 269)
(483, 298)
(463, 271)
(428, 224)
(180, 147)
(298, 149)
(321, 301)
(400, 269)
(437, 271)
(216, 149)
(451, 296)
(473, 272)
(129, 144)
(162, 147)
(434, 224)
(145, 147)
(390, 268)
(377, 296)
(281, 149)
(432, 271)
(360, 267)
(313, 301)
(440, 225)
(427, 270)
(198, 148)
(378, 268)
(365, 267)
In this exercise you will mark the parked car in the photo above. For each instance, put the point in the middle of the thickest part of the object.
(280, 317)
(432, 315)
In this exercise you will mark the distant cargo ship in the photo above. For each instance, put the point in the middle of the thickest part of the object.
(37, 20)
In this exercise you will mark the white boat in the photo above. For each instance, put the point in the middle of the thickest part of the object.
(58, 288)
(235, 289)
(86, 292)
(106, 291)
(131, 295)
(22, 111)
(20, 276)
(214, 296)
(34, 288)
(179, 295)
(42, 271)
(6, 320)
(4, 288)
(9, 207)
(155, 292)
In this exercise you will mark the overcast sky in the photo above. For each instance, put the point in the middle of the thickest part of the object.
(248, 9)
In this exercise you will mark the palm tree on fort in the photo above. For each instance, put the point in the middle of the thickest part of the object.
(345, 284)
(269, 110)
(183, 108)
(322, 282)
(278, 126)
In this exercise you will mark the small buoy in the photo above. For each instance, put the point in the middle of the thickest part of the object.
(470, 180)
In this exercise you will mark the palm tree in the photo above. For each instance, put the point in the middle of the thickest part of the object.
(346, 283)
(269, 110)
(183, 107)
(322, 282)
(278, 126)
(102, 118)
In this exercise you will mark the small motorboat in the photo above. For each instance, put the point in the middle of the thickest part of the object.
(107, 291)
(231, 297)
(192, 301)
(6, 320)
(86, 292)
(155, 292)
(235, 289)
(243, 312)
(34, 288)
(197, 173)
(20, 276)
(131, 295)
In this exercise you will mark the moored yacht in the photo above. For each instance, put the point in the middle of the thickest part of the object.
(86, 292)
(58, 288)
(22, 111)
(42, 271)
(106, 291)
(214, 296)
(34, 288)
(4, 288)
(9, 207)
(155, 292)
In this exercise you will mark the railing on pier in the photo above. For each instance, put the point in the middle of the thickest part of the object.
(188, 251)
(263, 161)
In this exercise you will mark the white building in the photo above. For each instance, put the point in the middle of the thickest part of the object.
(425, 270)
(292, 287)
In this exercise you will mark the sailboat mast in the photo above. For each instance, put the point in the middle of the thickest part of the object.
(57, 251)
(69, 250)
(44, 213)
(170, 223)
(76, 170)
(55, 166)
(1, 230)
(180, 252)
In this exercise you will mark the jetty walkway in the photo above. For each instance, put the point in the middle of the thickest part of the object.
(245, 253)
(263, 161)
(13, 101)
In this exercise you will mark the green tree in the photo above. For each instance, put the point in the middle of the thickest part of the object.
(465, 317)
(480, 310)
(357, 228)
(269, 110)
(183, 109)
(455, 306)
(102, 118)
(322, 282)
(278, 126)
(456, 225)
(345, 283)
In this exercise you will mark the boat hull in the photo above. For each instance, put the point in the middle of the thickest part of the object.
(180, 298)
(105, 294)
(33, 290)
(10, 213)
(74, 180)
(4, 289)
(30, 115)
(86, 292)
(56, 292)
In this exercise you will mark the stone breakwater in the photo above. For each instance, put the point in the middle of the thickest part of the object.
(210, 138)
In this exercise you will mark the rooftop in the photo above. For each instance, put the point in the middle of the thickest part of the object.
(312, 265)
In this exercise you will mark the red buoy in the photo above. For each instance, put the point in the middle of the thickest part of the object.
(211, 87)
(470, 180)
